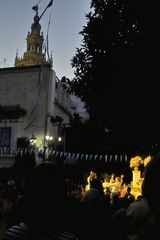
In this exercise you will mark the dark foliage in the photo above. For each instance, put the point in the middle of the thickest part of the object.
(117, 71)
(85, 138)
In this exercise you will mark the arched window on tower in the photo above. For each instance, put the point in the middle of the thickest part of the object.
(29, 47)
(38, 48)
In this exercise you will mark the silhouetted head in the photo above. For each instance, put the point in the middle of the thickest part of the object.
(150, 186)
(97, 184)
(128, 189)
(45, 198)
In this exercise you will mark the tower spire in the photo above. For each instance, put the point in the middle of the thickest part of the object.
(34, 54)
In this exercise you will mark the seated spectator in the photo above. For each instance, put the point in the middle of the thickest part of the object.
(141, 220)
(128, 197)
(44, 207)
(139, 197)
(92, 225)
(7, 210)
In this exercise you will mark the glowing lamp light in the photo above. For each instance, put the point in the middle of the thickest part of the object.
(47, 137)
(33, 140)
(59, 139)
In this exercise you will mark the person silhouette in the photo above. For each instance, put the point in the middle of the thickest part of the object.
(141, 219)
(44, 206)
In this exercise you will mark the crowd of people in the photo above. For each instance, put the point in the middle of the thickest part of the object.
(50, 206)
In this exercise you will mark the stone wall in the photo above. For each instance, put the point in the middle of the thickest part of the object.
(33, 89)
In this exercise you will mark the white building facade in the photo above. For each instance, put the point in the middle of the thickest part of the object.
(30, 95)
(32, 89)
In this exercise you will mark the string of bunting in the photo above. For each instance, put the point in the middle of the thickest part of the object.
(68, 156)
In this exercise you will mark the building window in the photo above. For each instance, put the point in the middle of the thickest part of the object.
(38, 48)
(5, 136)
(29, 47)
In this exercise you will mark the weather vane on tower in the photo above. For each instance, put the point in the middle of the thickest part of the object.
(35, 8)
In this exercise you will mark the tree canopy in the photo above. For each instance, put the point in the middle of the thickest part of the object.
(117, 70)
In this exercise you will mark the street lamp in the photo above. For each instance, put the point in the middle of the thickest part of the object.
(33, 140)
(51, 141)
(59, 139)
(49, 138)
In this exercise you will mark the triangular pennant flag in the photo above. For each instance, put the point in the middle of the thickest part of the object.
(86, 156)
(5, 150)
(61, 153)
(65, 154)
(49, 152)
(32, 151)
(36, 150)
(82, 156)
(40, 150)
(95, 157)
(69, 155)
(100, 157)
(106, 158)
(121, 157)
(21, 152)
(116, 156)
(110, 158)
(126, 159)
(73, 156)
(77, 156)
(12, 151)
(56, 154)
(90, 156)
(46, 153)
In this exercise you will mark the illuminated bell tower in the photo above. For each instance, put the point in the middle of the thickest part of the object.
(34, 53)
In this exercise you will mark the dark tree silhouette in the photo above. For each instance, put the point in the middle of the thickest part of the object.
(117, 71)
